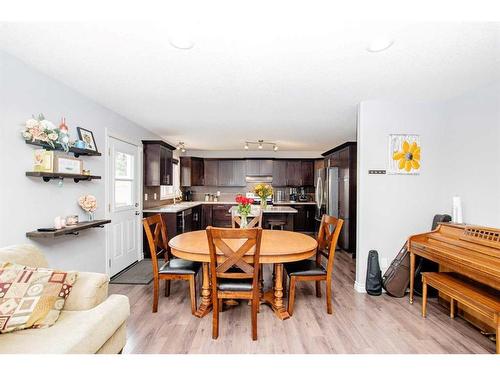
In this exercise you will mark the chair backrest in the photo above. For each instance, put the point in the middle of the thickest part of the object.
(256, 222)
(156, 233)
(327, 240)
(234, 244)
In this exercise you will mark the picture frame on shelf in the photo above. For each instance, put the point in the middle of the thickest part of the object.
(88, 137)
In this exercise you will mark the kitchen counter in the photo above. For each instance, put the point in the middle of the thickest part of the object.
(270, 210)
(181, 206)
(288, 203)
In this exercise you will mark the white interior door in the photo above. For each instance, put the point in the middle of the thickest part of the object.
(123, 205)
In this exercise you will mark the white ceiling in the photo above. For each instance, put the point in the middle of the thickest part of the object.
(294, 80)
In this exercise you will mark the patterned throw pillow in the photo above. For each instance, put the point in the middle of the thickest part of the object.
(32, 297)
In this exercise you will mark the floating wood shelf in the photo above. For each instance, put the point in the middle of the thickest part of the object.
(74, 150)
(73, 230)
(47, 176)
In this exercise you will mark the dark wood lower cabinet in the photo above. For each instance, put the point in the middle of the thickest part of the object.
(206, 215)
(304, 218)
(220, 215)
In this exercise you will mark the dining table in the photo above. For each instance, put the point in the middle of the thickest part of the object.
(277, 247)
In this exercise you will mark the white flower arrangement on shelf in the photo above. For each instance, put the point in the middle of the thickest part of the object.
(88, 203)
(42, 130)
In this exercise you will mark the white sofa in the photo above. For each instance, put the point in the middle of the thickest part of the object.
(90, 322)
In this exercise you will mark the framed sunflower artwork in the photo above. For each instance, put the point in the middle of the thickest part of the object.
(404, 154)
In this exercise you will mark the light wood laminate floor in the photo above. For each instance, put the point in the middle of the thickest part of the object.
(360, 323)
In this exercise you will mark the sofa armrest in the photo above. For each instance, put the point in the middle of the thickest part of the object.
(90, 290)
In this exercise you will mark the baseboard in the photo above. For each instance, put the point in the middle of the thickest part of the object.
(358, 287)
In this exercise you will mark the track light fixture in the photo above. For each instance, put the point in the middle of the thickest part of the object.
(181, 146)
(260, 144)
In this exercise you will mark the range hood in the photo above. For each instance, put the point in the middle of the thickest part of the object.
(259, 179)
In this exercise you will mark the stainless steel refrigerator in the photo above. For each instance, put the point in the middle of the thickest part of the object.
(327, 192)
(332, 198)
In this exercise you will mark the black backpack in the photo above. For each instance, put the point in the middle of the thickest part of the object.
(373, 275)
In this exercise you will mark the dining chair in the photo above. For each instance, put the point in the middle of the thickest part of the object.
(255, 222)
(232, 276)
(313, 270)
(173, 268)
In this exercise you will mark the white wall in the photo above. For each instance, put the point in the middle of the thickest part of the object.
(460, 156)
(29, 203)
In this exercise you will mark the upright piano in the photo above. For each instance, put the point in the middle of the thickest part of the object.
(471, 251)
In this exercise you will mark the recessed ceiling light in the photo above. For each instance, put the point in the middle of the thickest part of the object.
(379, 44)
(180, 41)
(246, 146)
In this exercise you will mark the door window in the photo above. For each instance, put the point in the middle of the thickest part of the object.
(124, 179)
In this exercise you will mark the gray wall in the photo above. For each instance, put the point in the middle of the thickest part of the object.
(28, 203)
(460, 156)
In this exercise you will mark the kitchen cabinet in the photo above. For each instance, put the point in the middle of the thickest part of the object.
(221, 216)
(279, 173)
(344, 157)
(307, 172)
(232, 173)
(196, 219)
(304, 218)
(293, 173)
(259, 167)
(211, 172)
(206, 215)
(157, 163)
(192, 171)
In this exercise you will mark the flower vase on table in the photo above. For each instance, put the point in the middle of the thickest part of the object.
(263, 191)
(244, 208)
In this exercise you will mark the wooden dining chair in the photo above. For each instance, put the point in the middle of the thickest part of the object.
(232, 276)
(255, 222)
(173, 268)
(313, 270)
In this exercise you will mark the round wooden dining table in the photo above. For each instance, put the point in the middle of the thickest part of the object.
(277, 247)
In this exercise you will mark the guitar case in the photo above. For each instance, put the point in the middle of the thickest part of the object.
(397, 277)
(373, 284)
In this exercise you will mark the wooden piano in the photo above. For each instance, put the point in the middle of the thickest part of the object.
(471, 251)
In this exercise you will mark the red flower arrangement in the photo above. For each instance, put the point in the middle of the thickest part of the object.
(244, 204)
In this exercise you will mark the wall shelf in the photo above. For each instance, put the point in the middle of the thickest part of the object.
(74, 150)
(72, 230)
(47, 176)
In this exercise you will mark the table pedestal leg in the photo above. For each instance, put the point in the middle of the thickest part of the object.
(274, 297)
(206, 294)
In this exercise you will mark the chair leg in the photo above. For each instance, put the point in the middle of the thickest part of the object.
(192, 293)
(291, 295)
(255, 307)
(156, 287)
(215, 318)
(167, 288)
(329, 308)
(424, 298)
(318, 289)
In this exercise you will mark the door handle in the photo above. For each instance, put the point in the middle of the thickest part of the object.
(137, 213)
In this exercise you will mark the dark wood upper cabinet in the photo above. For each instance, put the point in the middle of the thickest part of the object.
(157, 163)
(253, 167)
(239, 173)
(259, 167)
(279, 172)
(211, 172)
(192, 171)
(225, 173)
(307, 172)
(293, 173)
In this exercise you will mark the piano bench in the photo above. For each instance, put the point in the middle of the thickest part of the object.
(474, 297)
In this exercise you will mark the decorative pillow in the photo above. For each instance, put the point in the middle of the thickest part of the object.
(32, 297)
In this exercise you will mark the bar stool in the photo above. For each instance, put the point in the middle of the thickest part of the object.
(277, 223)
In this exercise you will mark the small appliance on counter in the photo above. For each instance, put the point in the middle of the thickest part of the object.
(280, 196)
(293, 195)
(303, 197)
(187, 196)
